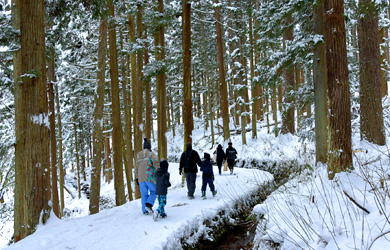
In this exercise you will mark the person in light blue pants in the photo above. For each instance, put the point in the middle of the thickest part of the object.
(148, 194)
(145, 176)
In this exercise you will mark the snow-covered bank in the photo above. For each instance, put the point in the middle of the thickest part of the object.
(349, 212)
(125, 227)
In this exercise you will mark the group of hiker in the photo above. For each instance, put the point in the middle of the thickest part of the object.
(152, 175)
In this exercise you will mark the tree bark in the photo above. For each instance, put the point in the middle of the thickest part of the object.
(60, 166)
(53, 140)
(320, 88)
(222, 81)
(371, 116)
(120, 198)
(161, 87)
(98, 120)
(134, 89)
(288, 116)
(340, 143)
(32, 180)
(76, 144)
(127, 147)
(187, 108)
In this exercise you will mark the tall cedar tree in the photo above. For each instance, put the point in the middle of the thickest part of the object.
(371, 116)
(222, 81)
(187, 108)
(115, 115)
(32, 181)
(53, 141)
(161, 88)
(60, 166)
(288, 117)
(97, 120)
(340, 142)
(320, 88)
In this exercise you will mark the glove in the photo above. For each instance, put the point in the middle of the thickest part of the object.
(136, 181)
(179, 171)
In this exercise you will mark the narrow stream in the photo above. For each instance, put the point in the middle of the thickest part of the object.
(241, 233)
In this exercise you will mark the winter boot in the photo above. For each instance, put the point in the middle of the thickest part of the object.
(204, 195)
(214, 193)
(156, 215)
(148, 207)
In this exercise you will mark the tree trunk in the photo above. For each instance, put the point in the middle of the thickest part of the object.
(254, 86)
(60, 166)
(53, 140)
(340, 143)
(107, 172)
(208, 83)
(77, 156)
(371, 116)
(222, 81)
(288, 116)
(97, 121)
(320, 88)
(32, 181)
(138, 90)
(120, 198)
(134, 93)
(148, 95)
(187, 108)
(161, 88)
(127, 147)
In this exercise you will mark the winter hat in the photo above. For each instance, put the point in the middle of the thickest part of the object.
(164, 164)
(147, 144)
(188, 146)
(207, 156)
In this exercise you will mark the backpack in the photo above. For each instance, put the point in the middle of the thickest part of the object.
(151, 172)
(232, 155)
(187, 161)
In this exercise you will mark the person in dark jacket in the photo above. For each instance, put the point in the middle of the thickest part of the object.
(207, 176)
(188, 162)
(162, 184)
(231, 156)
(220, 157)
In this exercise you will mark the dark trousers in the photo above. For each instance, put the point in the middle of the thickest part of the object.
(231, 164)
(190, 179)
(208, 180)
(219, 167)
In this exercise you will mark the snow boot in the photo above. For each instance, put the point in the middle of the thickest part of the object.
(156, 215)
(148, 207)
(214, 193)
(204, 195)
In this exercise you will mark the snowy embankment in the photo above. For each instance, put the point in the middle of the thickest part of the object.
(125, 227)
(349, 212)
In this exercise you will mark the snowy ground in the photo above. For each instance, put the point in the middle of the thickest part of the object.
(125, 227)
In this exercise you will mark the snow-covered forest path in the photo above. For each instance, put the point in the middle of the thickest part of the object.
(125, 227)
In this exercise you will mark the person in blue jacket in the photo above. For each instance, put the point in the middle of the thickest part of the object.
(207, 176)
(162, 184)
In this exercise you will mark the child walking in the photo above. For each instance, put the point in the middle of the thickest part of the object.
(162, 184)
(207, 176)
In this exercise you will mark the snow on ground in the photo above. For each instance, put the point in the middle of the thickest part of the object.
(125, 227)
(350, 212)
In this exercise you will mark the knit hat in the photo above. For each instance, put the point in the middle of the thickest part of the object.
(147, 144)
(164, 164)
(207, 156)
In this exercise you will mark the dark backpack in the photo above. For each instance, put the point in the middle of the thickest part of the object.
(232, 155)
(187, 161)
